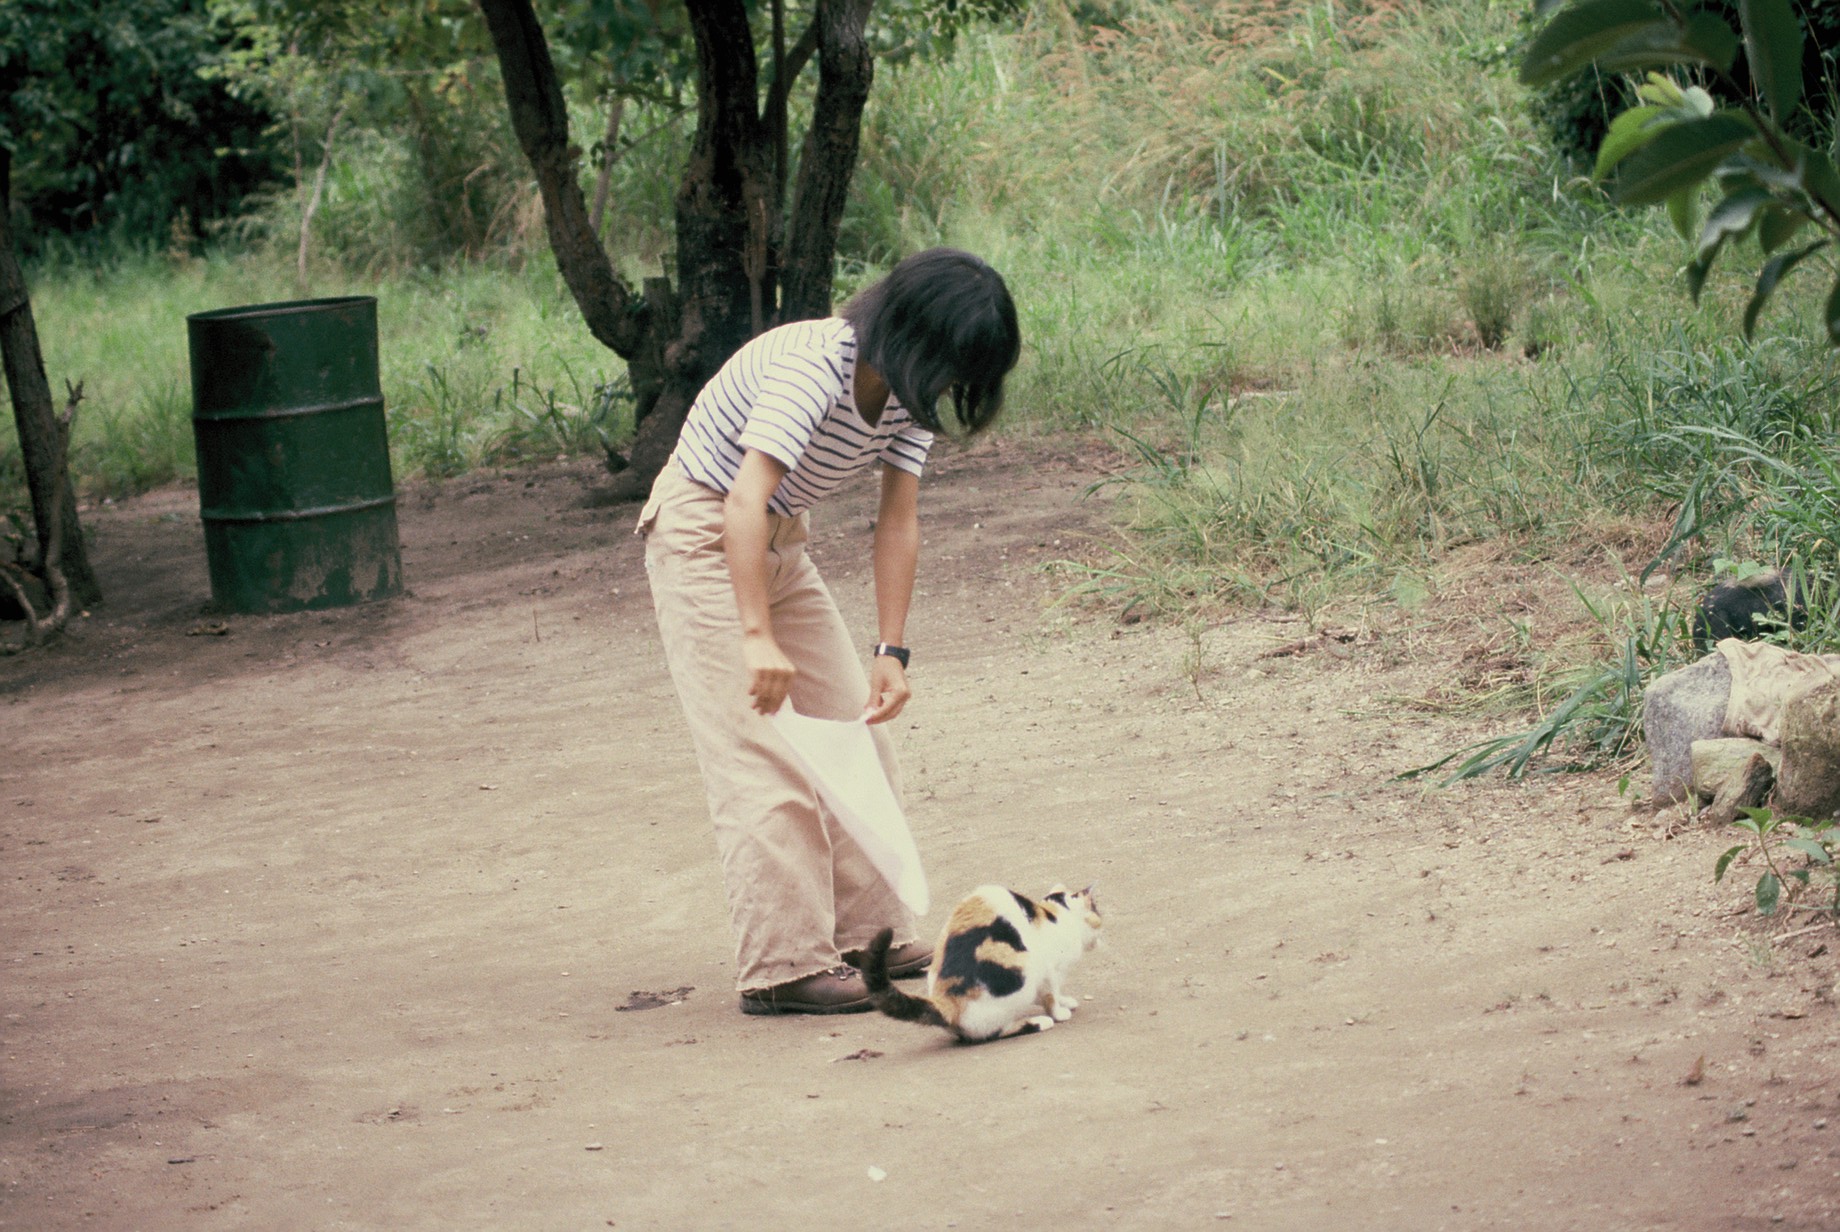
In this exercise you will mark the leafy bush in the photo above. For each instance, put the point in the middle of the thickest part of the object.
(118, 127)
(1575, 113)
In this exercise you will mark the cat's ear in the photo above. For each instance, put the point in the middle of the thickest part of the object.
(1092, 900)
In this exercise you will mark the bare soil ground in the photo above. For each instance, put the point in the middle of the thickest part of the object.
(406, 916)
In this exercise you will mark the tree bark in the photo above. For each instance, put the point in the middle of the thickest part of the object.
(727, 233)
(614, 315)
(54, 504)
(730, 222)
(846, 68)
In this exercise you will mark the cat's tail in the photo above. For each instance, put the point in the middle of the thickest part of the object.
(889, 999)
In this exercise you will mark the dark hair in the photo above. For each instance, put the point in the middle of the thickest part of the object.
(941, 322)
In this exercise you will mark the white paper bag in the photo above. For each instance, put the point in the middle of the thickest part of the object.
(840, 760)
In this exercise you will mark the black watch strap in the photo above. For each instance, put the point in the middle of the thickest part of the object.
(898, 653)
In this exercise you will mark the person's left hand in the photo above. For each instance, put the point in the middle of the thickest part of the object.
(888, 691)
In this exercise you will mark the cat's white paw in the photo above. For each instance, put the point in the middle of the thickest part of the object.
(1067, 1003)
(1041, 1022)
(1061, 1011)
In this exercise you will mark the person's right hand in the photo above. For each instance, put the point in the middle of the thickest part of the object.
(770, 672)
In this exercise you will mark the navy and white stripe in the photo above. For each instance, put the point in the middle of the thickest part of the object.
(790, 393)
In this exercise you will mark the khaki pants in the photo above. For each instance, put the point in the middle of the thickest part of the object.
(800, 890)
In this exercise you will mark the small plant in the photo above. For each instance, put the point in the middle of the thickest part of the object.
(1545, 328)
(1493, 288)
(1777, 843)
(438, 440)
(545, 422)
(1599, 722)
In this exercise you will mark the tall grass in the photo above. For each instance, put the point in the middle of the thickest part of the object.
(477, 363)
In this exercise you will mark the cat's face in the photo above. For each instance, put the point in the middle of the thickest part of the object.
(1083, 909)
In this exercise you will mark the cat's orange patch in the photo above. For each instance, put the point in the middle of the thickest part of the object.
(969, 914)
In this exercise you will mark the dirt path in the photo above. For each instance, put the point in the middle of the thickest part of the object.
(407, 917)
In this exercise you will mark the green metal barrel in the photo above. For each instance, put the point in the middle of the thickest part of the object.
(293, 458)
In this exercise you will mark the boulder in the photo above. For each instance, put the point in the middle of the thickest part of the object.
(1677, 709)
(1736, 773)
(1809, 781)
(1717, 763)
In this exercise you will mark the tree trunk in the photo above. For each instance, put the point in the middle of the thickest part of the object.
(639, 330)
(730, 227)
(35, 416)
(539, 116)
(846, 67)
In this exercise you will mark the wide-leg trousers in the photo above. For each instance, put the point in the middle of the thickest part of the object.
(800, 890)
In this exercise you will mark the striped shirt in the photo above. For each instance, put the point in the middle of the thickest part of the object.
(790, 393)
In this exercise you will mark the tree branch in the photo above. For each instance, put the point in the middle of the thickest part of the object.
(540, 118)
(319, 192)
(846, 68)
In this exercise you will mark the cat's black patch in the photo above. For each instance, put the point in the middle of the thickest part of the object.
(961, 970)
(1059, 896)
(1028, 904)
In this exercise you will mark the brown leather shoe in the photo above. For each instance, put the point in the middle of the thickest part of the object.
(837, 991)
(904, 961)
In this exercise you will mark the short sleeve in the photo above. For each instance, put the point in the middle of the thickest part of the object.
(908, 448)
(796, 389)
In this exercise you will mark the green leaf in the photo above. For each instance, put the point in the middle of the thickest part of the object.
(1814, 849)
(1732, 217)
(1773, 49)
(1718, 871)
(1819, 179)
(1683, 211)
(1580, 34)
(1704, 40)
(1698, 101)
(1682, 155)
(1833, 314)
(1769, 893)
(1773, 272)
(1766, 171)
(1699, 268)
(1665, 92)
(1713, 41)
(1778, 227)
(1628, 133)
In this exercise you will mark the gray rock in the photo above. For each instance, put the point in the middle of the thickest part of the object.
(1679, 708)
(1717, 763)
(1743, 786)
(1809, 785)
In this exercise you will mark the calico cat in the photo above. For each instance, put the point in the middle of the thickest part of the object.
(998, 966)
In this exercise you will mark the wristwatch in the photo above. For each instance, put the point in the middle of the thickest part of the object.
(898, 653)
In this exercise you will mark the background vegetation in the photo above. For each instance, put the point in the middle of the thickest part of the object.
(1321, 273)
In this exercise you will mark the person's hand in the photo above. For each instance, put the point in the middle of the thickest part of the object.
(770, 672)
(888, 691)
